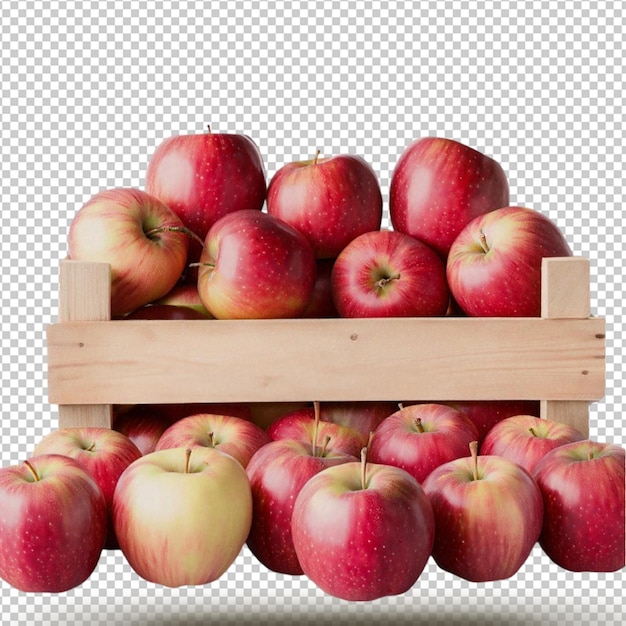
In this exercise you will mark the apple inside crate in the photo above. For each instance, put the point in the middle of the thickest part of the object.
(95, 362)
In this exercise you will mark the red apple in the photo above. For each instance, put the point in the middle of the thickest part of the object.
(184, 295)
(494, 266)
(232, 435)
(363, 531)
(331, 200)
(582, 484)
(138, 236)
(165, 312)
(388, 274)
(438, 186)
(182, 516)
(306, 425)
(205, 176)
(103, 453)
(53, 524)
(255, 266)
(277, 472)
(420, 437)
(526, 439)
(143, 424)
(361, 416)
(321, 303)
(488, 516)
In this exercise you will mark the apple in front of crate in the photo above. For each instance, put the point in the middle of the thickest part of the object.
(141, 238)
(362, 531)
(582, 484)
(53, 524)
(330, 200)
(526, 439)
(439, 185)
(277, 472)
(488, 516)
(494, 266)
(102, 452)
(143, 424)
(420, 437)
(388, 274)
(182, 516)
(255, 266)
(235, 436)
(205, 176)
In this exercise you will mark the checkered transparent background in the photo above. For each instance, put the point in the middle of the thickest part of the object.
(90, 88)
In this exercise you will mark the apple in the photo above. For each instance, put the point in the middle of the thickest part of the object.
(420, 437)
(143, 424)
(231, 435)
(307, 425)
(388, 274)
(526, 439)
(331, 200)
(277, 472)
(182, 516)
(362, 531)
(494, 265)
(439, 185)
(205, 176)
(582, 484)
(321, 303)
(103, 453)
(488, 516)
(184, 295)
(53, 524)
(143, 241)
(255, 266)
(165, 312)
(362, 416)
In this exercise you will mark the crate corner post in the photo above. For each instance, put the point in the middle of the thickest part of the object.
(84, 295)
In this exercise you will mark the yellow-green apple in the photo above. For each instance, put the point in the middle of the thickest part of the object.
(103, 453)
(582, 484)
(389, 274)
(307, 425)
(526, 439)
(488, 516)
(143, 424)
(232, 435)
(165, 312)
(420, 437)
(330, 200)
(362, 531)
(205, 176)
(143, 241)
(494, 265)
(321, 303)
(277, 472)
(439, 185)
(184, 295)
(256, 266)
(182, 516)
(53, 524)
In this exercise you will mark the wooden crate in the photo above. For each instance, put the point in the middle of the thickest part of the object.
(95, 362)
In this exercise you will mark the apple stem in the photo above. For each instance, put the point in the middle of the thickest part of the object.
(91, 447)
(317, 154)
(401, 405)
(531, 430)
(211, 439)
(419, 425)
(187, 459)
(316, 409)
(364, 467)
(174, 229)
(208, 128)
(474, 452)
(203, 264)
(386, 280)
(369, 440)
(33, 471)
(325, 445)
(483, 242)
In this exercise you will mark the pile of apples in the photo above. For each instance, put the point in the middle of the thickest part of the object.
(356, 496)
(208, 233)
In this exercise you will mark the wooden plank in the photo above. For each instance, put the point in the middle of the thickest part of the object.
(129, 361)
(84, 294)
(574, 413)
